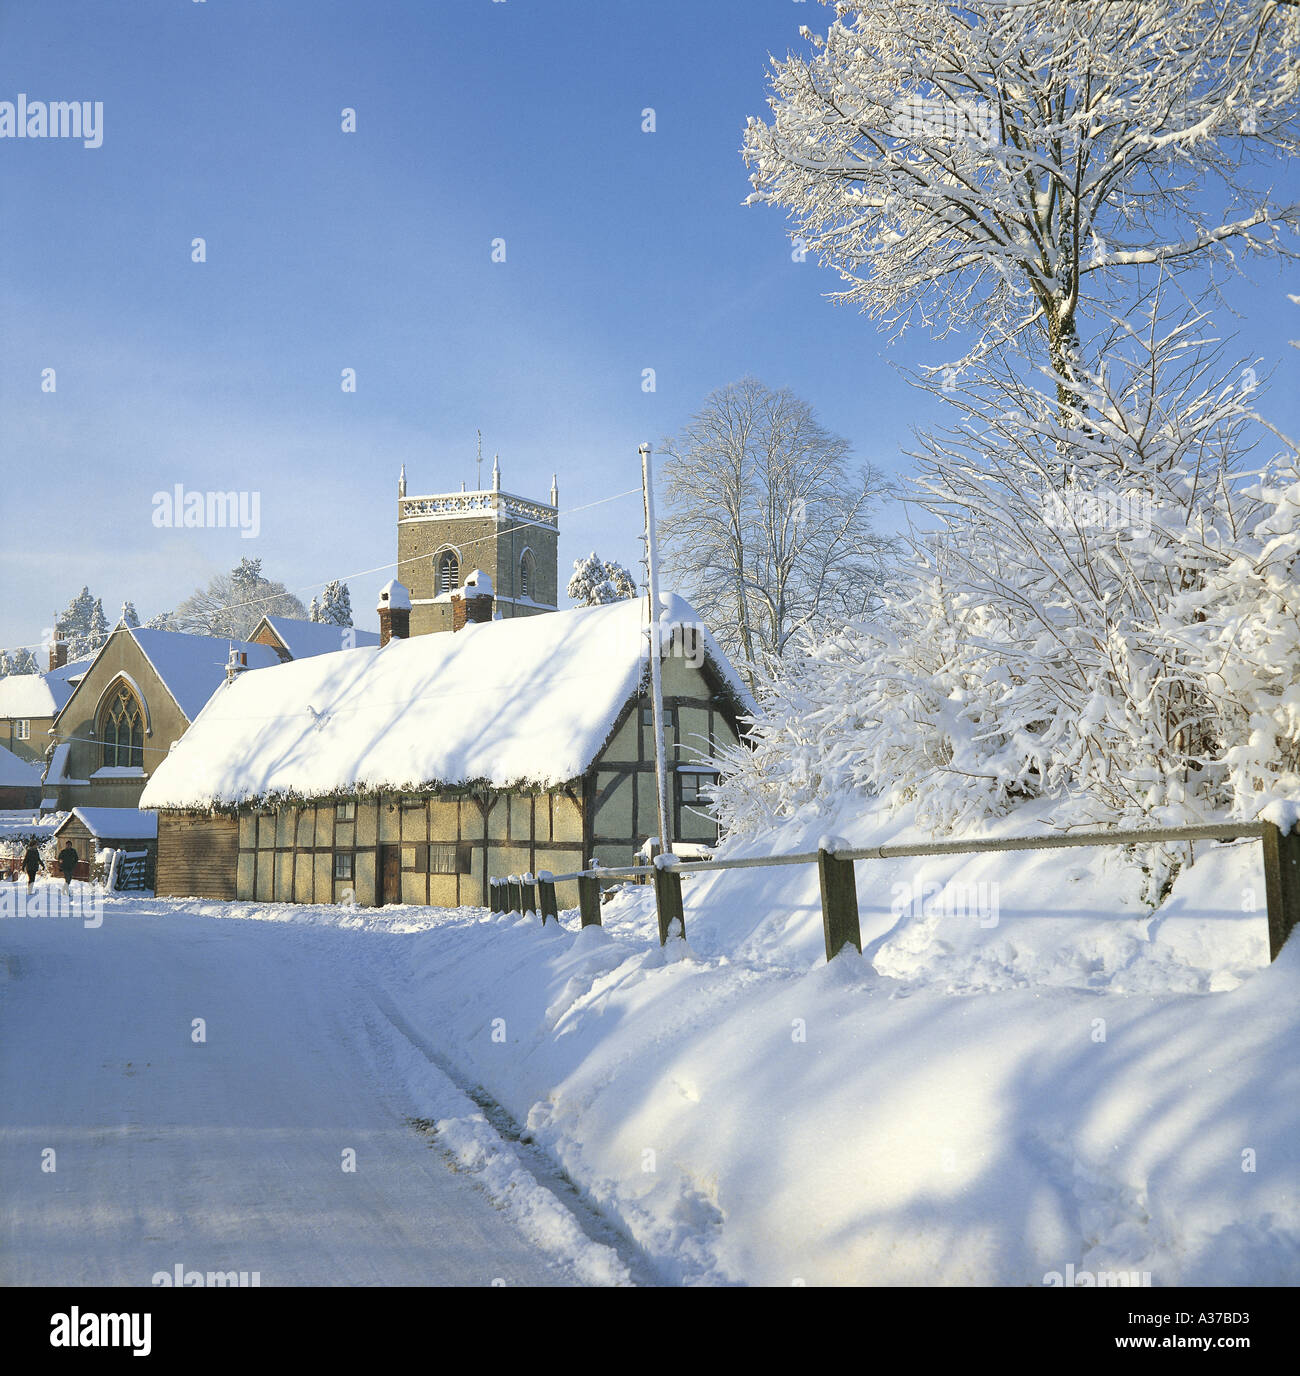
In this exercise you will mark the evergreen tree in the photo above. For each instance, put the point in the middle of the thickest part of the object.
(129, 614)
(335, 607)
(83, 625)
(598, 581)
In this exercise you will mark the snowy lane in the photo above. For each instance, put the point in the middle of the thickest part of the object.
(225, 1155)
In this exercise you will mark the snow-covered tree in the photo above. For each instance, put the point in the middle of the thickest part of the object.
(767, 522)
(24, 662)
(164, 621)
(334, 607)
(233, 603)
(1000, 164)
(1102, 614)
(598, 581)
(83, 625)
(129, 614)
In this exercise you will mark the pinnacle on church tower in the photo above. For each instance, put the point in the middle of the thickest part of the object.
(401, 483)
(496, 472)
(555, 491)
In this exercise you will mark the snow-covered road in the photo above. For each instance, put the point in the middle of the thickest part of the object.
(225, 1154)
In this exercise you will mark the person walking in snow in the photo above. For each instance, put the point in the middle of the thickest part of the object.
(68, 862)
(31, 863)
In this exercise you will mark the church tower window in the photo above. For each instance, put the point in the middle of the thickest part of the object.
(448, 571)
(527, 574)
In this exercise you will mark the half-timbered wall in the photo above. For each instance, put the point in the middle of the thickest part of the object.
(625, 809)
(438, 848)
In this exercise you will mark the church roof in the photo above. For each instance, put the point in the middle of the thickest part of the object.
(306, 638)
(529, 701)
(192, 666)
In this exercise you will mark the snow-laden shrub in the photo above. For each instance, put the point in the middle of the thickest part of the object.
(1241, 631)
(1102, 615)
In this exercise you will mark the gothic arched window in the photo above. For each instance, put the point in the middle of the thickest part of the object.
(527, 574)
(121, 730)
(448, 575)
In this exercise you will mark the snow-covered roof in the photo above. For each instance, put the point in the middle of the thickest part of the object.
(39, 695)
(18, 773)
(526, 701)
(306, 638)
(58, 771)
(115, 823)
(191, 666)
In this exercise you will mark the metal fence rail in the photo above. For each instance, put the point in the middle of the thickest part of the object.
(840, 920)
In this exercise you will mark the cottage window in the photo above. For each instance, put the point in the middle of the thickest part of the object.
(22, 729)
(343, 865)
(527, 574)
(648, 717)
(448, 571)
(345, 812)
(121, 730)
(693, 786)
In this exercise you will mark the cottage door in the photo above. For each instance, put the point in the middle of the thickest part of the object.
(390, 874)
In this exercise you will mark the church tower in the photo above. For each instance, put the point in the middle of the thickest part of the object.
(442, 539)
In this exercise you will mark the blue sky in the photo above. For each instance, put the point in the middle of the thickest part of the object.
(372, 250)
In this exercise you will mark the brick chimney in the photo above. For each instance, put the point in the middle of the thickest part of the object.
(394, 608)
(58, 648)
(472, 603)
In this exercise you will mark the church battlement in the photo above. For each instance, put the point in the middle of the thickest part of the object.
(502, 505)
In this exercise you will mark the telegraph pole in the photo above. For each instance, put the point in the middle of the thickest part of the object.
(656, 650)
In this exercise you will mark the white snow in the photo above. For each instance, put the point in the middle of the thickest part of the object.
(306, 638)
(231, 1153)
(193, 666)
(39, 695)
(17, 773)
(530, 700)
(118, 823)
(1283, 813)
(394, 596)
(1038, 1075)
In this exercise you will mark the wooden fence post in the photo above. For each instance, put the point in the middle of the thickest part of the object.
(527, 894)
(589, 900)
(1281, 884)
(839, 903)
(668, 902)
(512, 894)
(546, 897)
(494, 894)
